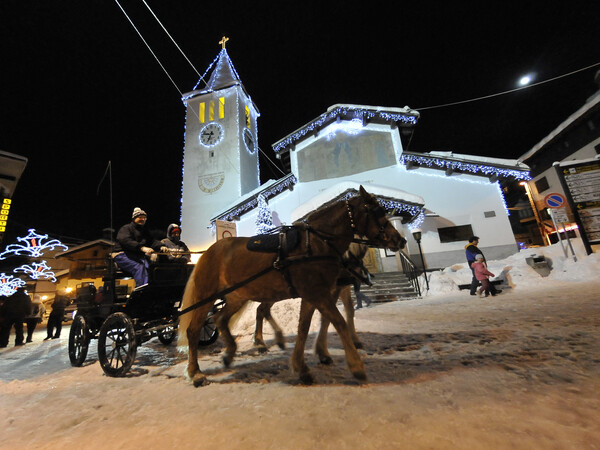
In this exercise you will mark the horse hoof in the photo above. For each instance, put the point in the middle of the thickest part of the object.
(325, 359)
(227, 360)
(358, 345)
(360, 375)
(262, 349)
(200, 380)
(306, 379)
(281, 345)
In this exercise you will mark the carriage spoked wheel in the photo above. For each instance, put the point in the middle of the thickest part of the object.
(117, 345)
(209, 332)
(79, 341)
(167, 335)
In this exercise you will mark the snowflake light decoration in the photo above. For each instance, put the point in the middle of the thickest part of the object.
(34, 245)
(37, 271)
(9, 284)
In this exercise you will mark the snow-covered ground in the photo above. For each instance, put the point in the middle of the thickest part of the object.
(520, 370)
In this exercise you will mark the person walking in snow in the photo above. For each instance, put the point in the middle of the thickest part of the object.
(471, 251)
(134, 245)
(37, 312)
(178, 251)
(482, 274)
(14, 310)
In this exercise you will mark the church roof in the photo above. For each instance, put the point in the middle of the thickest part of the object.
(222, 76)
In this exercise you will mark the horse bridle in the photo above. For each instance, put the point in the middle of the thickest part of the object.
(375, 213)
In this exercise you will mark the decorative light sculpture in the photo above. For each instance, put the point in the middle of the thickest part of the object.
(9, 284)
(37, 271)
(33, 246)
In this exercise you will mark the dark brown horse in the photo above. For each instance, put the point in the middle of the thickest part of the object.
(311, 272)
(352, 260)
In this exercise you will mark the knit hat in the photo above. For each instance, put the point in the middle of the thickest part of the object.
(478, 256)
(138, 212)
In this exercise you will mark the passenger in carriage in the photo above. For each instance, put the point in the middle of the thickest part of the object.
(134, 246)
(178, 251)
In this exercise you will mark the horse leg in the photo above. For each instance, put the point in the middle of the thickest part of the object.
(279, 340)
(346, 299)
(356, 366)
(193, 335)
(297, 363)
(321, 344)
(258, 340)
(231, 307)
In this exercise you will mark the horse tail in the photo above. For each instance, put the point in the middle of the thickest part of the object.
(198, 286)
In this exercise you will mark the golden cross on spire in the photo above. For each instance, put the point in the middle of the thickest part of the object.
(223, 41)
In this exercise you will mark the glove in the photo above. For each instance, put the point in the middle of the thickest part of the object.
(153, 257)
(147, 250)
(164, 249)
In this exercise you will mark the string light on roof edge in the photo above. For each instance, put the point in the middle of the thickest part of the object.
(473, 168)
(358, 113)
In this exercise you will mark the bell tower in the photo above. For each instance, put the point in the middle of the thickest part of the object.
(220, 158)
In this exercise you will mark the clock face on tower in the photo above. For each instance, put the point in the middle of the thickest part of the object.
(211, 134)
(249, 140)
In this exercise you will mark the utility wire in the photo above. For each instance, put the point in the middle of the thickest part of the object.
(153, 54)
(173, 40)
(509, 91)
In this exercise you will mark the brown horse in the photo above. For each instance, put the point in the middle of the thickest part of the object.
(310, 272)
(352, 260)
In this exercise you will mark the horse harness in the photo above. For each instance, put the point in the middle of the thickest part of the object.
(284, 261)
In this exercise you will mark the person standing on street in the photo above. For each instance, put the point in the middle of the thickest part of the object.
(482, 274)
(37, 312)
(471, 251)
(14, 310)
(56, 317)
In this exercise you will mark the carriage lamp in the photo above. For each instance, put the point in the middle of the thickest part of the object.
(416, 232)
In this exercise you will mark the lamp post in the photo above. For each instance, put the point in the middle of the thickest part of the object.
(417, 235)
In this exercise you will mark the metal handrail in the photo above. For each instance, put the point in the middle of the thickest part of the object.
(411, 271)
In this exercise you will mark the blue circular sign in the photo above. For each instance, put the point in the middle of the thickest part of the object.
(555, 200)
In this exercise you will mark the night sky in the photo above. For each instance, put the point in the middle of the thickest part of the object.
(79, 87)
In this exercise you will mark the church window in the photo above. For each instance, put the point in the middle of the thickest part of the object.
(202, 112)
(542, 184)
(247, 117)
(454, 234)
(211, 111)
(221, 107)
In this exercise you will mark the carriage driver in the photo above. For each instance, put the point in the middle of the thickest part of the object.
(134, 245)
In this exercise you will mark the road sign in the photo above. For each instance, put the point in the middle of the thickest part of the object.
(225, 229)
(555, 200)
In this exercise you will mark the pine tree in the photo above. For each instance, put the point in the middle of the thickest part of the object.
(264, 220)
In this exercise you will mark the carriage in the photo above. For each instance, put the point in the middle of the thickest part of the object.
(122, 320)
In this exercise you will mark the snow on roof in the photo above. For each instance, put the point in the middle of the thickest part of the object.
(590, 104)
(379, 114)
(338, 189)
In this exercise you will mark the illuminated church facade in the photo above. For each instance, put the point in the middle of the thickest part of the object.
(448, 196)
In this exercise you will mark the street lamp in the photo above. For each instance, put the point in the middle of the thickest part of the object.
(417, 235)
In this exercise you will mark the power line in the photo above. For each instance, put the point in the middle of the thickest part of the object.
(153, 54)
(509, 91)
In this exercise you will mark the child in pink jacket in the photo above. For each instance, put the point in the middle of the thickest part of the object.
(482, 274)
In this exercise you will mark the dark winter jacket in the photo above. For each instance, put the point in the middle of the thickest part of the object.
(132, 237)
(471, 252)
(17, 306)
(172, 242)
(59, 305)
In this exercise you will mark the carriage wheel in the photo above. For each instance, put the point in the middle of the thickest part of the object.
(79, 341)
(167, 335)
(117, 345)
(209, 332)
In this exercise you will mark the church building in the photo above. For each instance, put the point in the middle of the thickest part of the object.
(448, 196)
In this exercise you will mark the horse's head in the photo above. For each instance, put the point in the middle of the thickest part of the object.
(377, 228)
